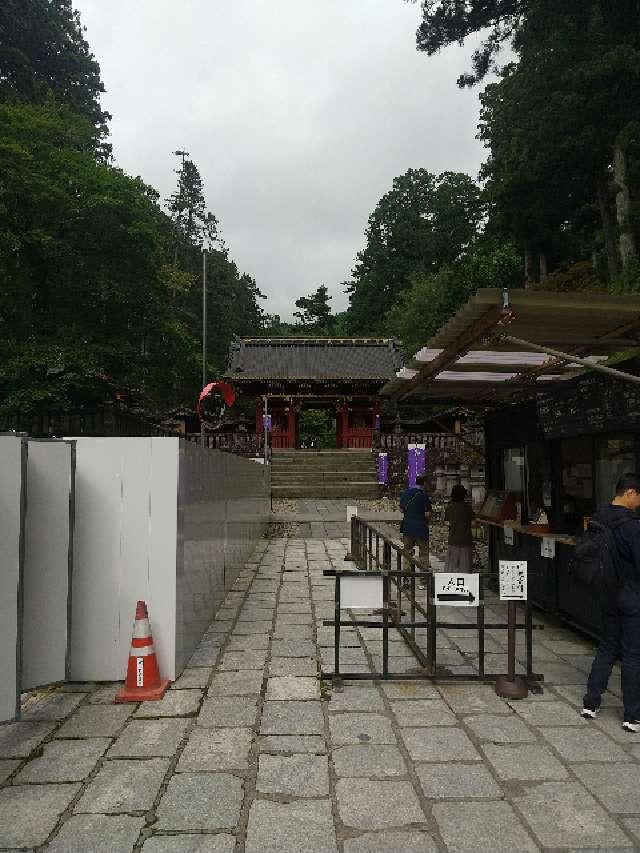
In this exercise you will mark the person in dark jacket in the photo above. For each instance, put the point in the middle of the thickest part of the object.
(620, 637)
(416, 508)
(459, 515)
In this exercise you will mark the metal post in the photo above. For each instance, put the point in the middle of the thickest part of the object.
(354, 551)
(204, 330)
(336, 632)
(480, 617)
(432, 638)
(385, 611)
(511, 686)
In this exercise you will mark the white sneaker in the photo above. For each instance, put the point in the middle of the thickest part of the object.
(631, 726)
(589, 713)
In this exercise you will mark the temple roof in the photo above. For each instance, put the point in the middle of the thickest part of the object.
(313, 359)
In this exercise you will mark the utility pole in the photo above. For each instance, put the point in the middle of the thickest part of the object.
(204, 327)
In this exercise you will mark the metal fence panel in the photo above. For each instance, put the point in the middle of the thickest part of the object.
(13, 456)
(48, 562)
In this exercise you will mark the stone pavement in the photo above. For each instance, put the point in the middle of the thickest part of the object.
(250, 753)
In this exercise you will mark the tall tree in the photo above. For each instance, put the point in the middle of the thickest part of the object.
(83, 294)
(424, 221)
(195, 226)
(43, 54)
(315, 312)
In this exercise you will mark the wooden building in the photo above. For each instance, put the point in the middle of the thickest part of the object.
(288, 375)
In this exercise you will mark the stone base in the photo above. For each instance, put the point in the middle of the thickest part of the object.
(516, 689)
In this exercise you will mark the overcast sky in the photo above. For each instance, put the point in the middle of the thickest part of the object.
(298, 113)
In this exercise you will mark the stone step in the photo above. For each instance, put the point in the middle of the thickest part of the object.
(320, 477)
(334, 490)
(311, 470)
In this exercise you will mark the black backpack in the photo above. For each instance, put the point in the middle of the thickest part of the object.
(596, 560)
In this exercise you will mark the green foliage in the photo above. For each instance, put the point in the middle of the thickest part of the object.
(425, 221)
(317, 424)
(314, 312)
(82, 248)
(628, 281)
(44, 56)
(580, 277)
(434, 298)
(194, 225)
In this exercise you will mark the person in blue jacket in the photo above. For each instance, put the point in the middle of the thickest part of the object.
(416, 509)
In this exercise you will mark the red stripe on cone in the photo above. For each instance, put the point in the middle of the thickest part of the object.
(143, 682)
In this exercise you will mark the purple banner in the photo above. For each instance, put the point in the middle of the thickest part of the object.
(421, 459)
(383, 469)
(376, 423)
(411, 466)
(267, 423)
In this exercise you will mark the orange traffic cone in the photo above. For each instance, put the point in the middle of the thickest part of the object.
(143, 680)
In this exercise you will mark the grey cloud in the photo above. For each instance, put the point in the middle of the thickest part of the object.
(298, 113)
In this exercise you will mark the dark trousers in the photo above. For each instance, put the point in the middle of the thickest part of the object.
(619, 640)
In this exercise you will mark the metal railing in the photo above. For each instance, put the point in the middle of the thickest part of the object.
(376, 555)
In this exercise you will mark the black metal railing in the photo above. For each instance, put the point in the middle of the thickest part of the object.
(376, 555)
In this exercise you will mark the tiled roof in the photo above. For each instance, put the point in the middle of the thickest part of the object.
(313, 359)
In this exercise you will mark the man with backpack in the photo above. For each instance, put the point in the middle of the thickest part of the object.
(416, 509)
(608, 559)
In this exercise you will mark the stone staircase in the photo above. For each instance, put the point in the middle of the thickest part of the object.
(324, 474)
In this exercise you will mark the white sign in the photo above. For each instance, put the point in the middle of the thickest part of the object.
(513, 580)
(360, 592)
(351, 510)
(457, 590)
(139, 672)
(508, 535)
(548, 548)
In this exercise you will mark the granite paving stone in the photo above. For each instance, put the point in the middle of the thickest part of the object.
(524, 762)
(548, 714)
(584, 744)
(64, 761)
(563, 814)
(174, 703)
(221, 842)
(149, 738)
(292, 743)
(286, 687)
(7, 767)
(617, 788)
(409, 690)
(356, 698)
(245, 683)
(216, 749)
(54, 706)
(296, 827)
(457, 781)
(193, 678)
(97, 833)
(293, 648)
(377, 805)
(386, 842)
(123, 785)
(106, 694)
(228, 711)
(439, 744)
(18, 740)
(293, 666)
(473, 699)
(29, 813)
(360, 728)
(373, 761)
(482, 826)
(498, 729)
(295, 775)
(423, 712)
(200, 802)
(292, 718)
(96, 721)
(254, 659)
